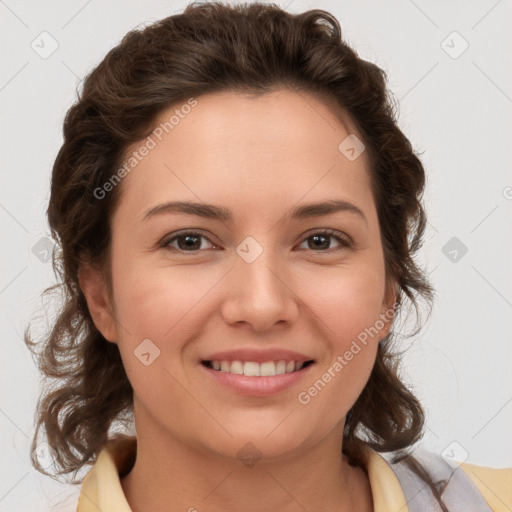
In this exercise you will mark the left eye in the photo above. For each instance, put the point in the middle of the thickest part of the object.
(318, 240)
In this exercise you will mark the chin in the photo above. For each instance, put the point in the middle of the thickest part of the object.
(263, 444)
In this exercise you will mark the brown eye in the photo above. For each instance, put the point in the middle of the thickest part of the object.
(188, 241)
(321, 241)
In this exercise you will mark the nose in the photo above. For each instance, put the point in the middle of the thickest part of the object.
(259, 294)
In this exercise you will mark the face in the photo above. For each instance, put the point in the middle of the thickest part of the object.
(256, 277)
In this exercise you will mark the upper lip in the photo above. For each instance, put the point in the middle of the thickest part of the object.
(258, 355)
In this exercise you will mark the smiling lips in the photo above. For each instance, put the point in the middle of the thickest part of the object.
(257, 372)
(254, 369)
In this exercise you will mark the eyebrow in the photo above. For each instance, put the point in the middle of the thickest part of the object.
(211, 211)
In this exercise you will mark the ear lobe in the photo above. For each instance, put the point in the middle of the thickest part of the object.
(94, 288)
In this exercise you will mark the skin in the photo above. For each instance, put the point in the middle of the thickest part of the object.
(259, 157)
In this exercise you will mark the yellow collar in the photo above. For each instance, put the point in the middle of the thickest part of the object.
(101, 488)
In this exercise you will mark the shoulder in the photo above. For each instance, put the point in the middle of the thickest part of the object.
(495, 484)
(464, 486)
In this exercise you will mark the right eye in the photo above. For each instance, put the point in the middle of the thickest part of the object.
(186, 241)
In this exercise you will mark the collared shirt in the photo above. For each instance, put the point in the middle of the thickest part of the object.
(101, 489)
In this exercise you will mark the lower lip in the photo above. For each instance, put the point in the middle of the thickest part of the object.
(258, 386)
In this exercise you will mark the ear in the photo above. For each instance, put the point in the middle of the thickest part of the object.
(93, 285)
(388, 310)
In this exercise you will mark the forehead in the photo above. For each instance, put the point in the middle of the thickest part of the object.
(228, 144)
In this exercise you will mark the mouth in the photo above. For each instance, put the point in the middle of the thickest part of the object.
(255, 369)
(255, 372)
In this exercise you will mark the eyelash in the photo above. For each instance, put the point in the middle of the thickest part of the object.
(344, 241)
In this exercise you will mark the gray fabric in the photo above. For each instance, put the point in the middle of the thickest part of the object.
(459, 495)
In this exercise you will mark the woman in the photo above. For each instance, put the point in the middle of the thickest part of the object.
(237, 213)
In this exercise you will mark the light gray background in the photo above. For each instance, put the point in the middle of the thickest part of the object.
(456, 111)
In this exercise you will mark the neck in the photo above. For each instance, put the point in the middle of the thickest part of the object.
(168, 472)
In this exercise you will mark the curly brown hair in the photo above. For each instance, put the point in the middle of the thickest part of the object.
(210, 48)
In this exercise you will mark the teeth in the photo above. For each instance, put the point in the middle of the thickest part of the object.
(237, 367)
(280, 367)
(253, 369)
(267, 368)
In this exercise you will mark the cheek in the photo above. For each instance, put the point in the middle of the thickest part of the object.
(347, 306)
(348, 301)
(154, 302)
(349, 318)
(158, 306)
(166, 306)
